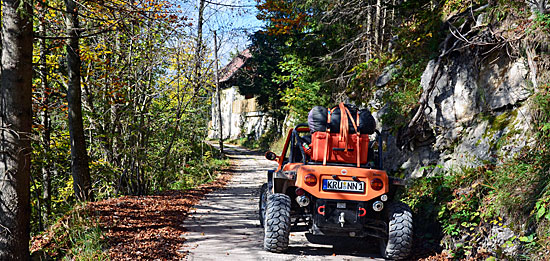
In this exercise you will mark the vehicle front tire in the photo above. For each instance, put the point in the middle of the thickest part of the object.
(398, 245)
(265, 191)
(277, 223)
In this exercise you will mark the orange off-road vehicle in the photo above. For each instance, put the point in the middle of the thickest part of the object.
(330, 181)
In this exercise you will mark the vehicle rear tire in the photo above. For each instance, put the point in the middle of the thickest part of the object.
(277, 223)
(265, 190)
(400, 232)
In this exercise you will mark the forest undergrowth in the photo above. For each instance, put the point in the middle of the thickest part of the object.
(135, 227)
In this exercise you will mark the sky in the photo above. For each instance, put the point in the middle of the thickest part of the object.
(234, 21)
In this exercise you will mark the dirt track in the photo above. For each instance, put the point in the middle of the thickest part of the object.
(225, 226)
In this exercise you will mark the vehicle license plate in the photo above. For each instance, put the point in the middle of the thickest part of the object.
(343, 185)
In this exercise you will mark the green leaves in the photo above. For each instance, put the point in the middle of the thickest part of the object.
(527, 239)
(542, 21)
(542, 208)
(305, 92)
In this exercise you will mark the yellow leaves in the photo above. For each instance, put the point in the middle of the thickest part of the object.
(418, 41)
(100, 46)
(99, 53)
(65, 191)
(50, 14)
(498, 222)
(98, 162)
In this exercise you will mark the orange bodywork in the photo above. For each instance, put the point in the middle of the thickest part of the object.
(323, 172)
(326, 172)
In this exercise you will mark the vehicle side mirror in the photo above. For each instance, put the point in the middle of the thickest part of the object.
(270, 155)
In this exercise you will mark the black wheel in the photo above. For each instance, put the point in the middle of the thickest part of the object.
(262, 206)
(277, 223)
(400, 232)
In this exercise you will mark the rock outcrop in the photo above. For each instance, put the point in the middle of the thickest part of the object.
(478, 113)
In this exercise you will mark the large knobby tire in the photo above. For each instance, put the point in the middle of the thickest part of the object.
(265, 191)
(277, 223)
(400, 232)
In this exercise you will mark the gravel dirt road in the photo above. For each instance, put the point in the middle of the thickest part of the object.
(225, 225)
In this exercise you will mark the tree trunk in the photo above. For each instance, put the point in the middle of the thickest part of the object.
(392, 24)
(218, 95)
(79, 157)
(377, 28)
(369, 25)
(15, 128)
(383, 25)
(198, 51)
(45, 120)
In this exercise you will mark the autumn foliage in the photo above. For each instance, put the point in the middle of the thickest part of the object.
(283, 16)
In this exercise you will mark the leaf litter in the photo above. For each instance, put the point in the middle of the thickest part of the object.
(142, 227)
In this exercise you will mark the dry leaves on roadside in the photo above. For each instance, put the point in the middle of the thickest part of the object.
(149, 227)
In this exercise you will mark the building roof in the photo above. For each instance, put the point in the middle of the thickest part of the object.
(233, 67)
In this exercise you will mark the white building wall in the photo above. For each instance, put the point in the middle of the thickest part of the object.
(239, 116)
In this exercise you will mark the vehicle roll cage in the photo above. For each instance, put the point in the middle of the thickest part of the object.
(296, 141)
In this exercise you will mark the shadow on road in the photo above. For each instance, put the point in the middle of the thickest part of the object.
(233, 150)
(226, 226)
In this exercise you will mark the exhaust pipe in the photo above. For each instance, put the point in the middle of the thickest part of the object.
(302, 201)
(378, 206)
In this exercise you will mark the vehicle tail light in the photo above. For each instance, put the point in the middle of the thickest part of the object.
(300, 192)
(376, 184)
(310, 180)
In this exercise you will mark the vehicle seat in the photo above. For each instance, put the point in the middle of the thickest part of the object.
(301, 140)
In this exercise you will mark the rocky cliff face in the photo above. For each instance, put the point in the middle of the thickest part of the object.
(483, 102)
(477, 113)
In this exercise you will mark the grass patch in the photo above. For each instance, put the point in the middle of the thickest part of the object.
(75, 236)
(268, 141)
(458, 210)
(198, 172)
